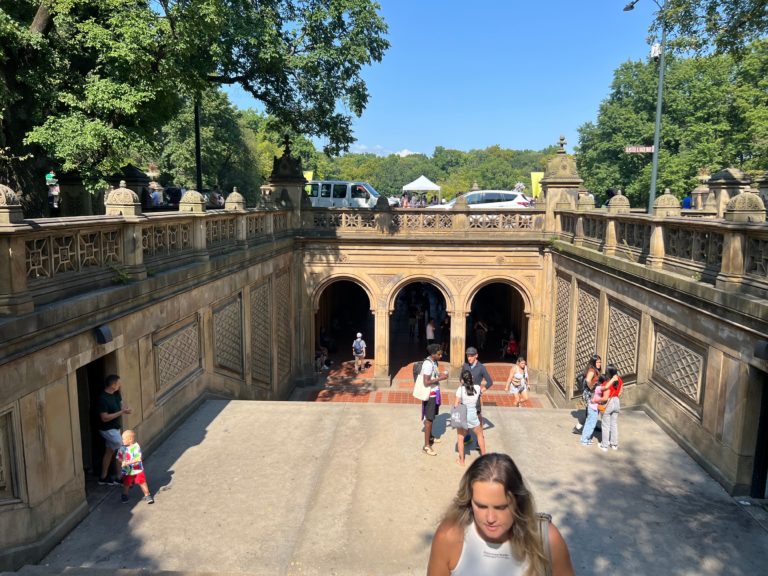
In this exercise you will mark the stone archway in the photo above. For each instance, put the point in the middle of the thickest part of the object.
(413, 304)
(503, 308)
(343, 308)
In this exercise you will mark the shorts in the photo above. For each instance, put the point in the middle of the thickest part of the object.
(112, 438)
(517, 389)
(430, 408)
(132, 479)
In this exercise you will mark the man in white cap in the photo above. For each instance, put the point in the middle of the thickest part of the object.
(358, 349)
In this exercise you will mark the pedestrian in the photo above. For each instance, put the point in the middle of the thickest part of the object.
(517, 382)
(468, 394)
(593, 398)
(492, 527)
(430, 371)
(358, 350)
(481, 331)
(132, 464)
(591, 373)
(111, 410)
(480, 376)
(614, 385)
(430, 332)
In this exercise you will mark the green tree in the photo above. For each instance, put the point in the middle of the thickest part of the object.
(87, 83)
(727, 25)
(713, 117)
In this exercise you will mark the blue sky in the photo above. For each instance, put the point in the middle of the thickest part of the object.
(469, 75)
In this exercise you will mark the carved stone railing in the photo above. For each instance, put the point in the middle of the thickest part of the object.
(405, 222)
(730, 255)
(51, 259)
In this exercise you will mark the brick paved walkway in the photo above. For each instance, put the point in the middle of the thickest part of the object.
(341, 384)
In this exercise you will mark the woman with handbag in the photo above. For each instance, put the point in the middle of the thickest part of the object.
(468, 395)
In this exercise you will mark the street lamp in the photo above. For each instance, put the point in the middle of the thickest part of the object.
(659, 99)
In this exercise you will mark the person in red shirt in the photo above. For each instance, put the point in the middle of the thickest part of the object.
(614, 385)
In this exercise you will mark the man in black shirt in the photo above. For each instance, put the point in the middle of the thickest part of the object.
(111, 410)
(479, 373)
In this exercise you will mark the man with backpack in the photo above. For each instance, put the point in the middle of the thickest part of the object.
(358, 350)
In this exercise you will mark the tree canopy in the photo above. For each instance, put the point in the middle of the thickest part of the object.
(715, 115)
(727, 26)
(85, 84)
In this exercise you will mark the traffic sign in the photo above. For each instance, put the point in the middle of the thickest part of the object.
(638, 149)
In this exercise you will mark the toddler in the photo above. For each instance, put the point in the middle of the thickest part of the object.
(129, 456)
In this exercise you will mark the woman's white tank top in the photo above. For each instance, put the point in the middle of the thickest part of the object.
(479, 557)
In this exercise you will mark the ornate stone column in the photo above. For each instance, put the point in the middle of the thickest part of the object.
(14, 297)
(381, 375)
(744, 207)
(560, 183)
(236, 203)
(619, 204)
(287, 180)
(125, 202)
(665, 205)
(194, 203)
(458, 338)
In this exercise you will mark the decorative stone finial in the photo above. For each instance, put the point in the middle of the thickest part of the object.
(192, 201)
(287, 168)
(562, 142)
(235, 201)
(122, 201)
(475, 186)
(10, 206)
(561, 170)
(667, 205)
(619, 204)
(745, 207)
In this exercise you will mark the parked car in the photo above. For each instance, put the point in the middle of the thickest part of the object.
(343, 194)
(490, 199)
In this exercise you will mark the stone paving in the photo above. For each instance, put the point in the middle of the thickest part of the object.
(335, 488)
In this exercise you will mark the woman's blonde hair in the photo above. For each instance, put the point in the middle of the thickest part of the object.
(524, 535)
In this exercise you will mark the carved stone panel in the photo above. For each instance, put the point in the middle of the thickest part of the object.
(178, 353)
(678, 365)
(586, 327)
(228, 336)
(560, 348)
(261, 333)
(623, 341)
(284, 324)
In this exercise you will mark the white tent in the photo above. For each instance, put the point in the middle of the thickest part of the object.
(423, 184)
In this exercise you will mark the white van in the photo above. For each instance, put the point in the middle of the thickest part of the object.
(343, 194)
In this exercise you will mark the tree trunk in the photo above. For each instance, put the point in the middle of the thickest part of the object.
(43, 19)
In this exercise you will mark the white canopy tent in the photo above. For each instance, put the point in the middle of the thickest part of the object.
(423, 184)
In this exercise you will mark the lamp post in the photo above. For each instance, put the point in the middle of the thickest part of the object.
(659, 100)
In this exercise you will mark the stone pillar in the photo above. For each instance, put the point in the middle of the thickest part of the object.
(619, 204)
(584, 205)
(664, 206)
(193, 202)
(14, 297)
(461, 216)
(236, 203)
(287, 179)
(381, 376)
(762, 185)
(744, 207)
(560, 183)
(725, 185)
(125, 202)
(458, 338)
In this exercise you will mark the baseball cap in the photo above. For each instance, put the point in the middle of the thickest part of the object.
(471, 351)
(359, 335)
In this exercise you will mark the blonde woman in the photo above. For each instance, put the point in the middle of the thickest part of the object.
(517, 382)
(492, 528)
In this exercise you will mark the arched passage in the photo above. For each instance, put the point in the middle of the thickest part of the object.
(415, 305)
(343, 310)
(497, 311)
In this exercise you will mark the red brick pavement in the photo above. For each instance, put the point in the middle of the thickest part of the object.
(343, 385)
